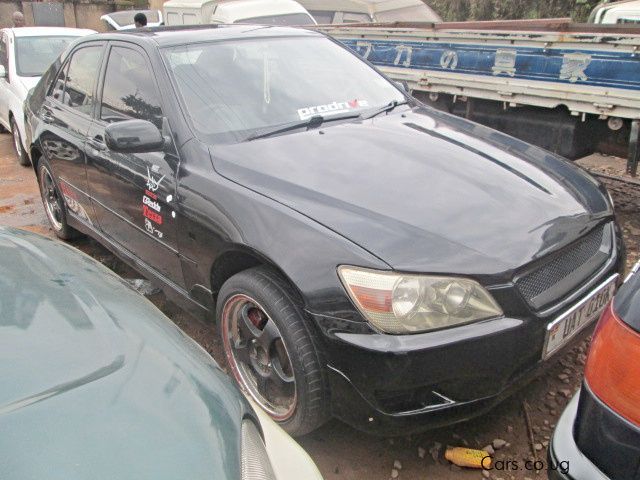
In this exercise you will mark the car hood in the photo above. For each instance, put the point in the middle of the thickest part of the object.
(423, 190)
(97, 383)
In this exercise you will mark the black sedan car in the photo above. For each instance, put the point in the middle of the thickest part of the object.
(598, 435)
(365, 256)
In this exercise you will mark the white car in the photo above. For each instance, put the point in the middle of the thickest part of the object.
(123, 20)
(25, 54)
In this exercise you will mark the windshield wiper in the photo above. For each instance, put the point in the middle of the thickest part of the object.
(309, 123)
(386, 109)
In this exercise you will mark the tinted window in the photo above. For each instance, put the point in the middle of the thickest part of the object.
(35, 54)
(58, 86)
(80, 79)
(129, 89)
(45, 86)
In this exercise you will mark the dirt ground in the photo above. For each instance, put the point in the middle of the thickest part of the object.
(341, 452)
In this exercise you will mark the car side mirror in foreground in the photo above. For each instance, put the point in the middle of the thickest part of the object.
(3, 72)
(133, 136)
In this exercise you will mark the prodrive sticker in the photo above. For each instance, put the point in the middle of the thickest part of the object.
(333, 107)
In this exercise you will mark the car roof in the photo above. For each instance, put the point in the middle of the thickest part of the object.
(182, 34)
(49, 31)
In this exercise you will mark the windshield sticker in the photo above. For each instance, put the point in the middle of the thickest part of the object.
(331, 108)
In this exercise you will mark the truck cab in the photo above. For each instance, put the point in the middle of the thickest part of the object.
(270, 12)
(625, 12)
(370, 11)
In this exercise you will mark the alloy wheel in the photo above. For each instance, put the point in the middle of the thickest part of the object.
(17, 142)
(51, 198)
(258, 356)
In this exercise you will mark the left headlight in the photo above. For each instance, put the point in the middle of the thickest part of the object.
(255, 460)
(398, 303)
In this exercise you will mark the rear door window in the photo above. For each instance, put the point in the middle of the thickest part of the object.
(74, 86)
(58, 85)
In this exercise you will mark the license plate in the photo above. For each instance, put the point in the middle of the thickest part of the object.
(566, 326)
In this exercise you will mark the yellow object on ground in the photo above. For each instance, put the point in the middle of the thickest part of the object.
(468, 457)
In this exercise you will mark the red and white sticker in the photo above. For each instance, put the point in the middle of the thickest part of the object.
(331, 108)
(151, 215)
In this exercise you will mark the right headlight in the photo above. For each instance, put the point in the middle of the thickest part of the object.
(401, 303)
(255, 460)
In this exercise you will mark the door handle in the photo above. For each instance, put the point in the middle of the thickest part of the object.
(97, 143)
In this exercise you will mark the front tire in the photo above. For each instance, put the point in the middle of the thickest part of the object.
(269, 349)
(21, 154)
(53, 202)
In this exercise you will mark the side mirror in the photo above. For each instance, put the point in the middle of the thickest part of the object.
(3, 72)
(133, 136)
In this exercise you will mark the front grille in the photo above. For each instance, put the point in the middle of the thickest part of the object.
(580, 260)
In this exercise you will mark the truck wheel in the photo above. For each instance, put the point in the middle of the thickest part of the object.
(23, 157)
(269, 350)
(54, 203)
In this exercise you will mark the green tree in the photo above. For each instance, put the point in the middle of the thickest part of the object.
(462, 10)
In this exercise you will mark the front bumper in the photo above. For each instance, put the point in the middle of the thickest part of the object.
(398, 384)
(409, 391)
(566, 461)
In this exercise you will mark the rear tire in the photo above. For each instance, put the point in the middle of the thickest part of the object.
(53, 202)
(21, 154)
(269, 349)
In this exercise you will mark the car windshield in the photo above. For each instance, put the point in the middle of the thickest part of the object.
(286, 20)
(35, 54)
(234, 90)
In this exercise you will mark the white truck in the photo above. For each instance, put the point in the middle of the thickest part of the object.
(607, 13)
(570, 88)
(269, 12)
(369, 11)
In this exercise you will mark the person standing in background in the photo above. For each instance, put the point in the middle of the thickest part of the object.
(140, 20)
(18, 19)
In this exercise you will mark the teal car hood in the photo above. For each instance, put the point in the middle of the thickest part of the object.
(97, 383)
